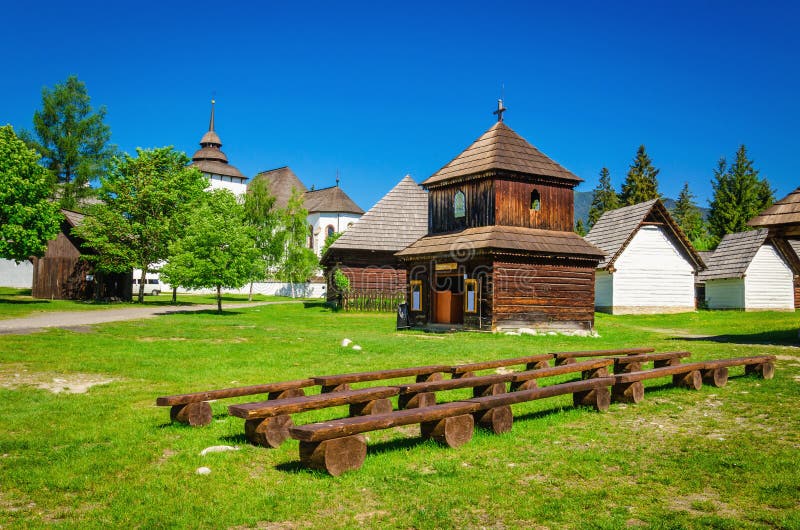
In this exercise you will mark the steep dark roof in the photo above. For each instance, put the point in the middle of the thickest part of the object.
(281, 181)
(331, 199)
(615, 229)
(505, 239)
(500, 148)
(783, 213)
(734, 254)
(396, 221)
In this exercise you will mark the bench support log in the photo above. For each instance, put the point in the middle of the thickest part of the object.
(538, 365)
(424, 378)
(717, 377)
(462, 375)
(561, 361)
(292, 392)
(453, 431)
(268, 432)
(324, 389)
(626, 368)
(497, 420)
(413, 401)
(376, 406)
(597, 372)
(524, 385)
(489, 390)
(666, 362)
(628, 392)
(334, 456)
(692, 380)
(194, 414)
(765, 370)
(597, 398)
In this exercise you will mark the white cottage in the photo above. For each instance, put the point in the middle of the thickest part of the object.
(751, 271)
(650, 266)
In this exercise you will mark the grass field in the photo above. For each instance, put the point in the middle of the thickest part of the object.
(717, 458)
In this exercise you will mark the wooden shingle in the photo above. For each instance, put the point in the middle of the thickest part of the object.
(734, 254)
(783, 214)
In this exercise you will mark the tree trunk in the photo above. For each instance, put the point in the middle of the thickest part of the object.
(141, 284)
(174, 295)
(250, 297)
(219, 299)
(291, 284)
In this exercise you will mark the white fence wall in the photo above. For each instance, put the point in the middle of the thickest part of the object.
(18, 275)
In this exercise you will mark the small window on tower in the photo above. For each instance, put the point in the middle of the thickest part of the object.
(329, 231)
(459, 205)
(536, 201)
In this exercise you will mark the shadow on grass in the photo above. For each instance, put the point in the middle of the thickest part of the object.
(5, 301)
(783, 337)
(541, 414)
(235, 439)
(309, 304)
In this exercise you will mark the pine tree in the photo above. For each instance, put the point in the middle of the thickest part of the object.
(688, 216)
(641, 184)
(580, 229)
(739, 195)
(604, 198)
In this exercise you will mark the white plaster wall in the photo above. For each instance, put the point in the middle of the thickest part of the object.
(236, 188)
(768, 281)
(725, 294)
(17, 275)
(603, 289)
(321, 220)
(651, 272)
(301, 290)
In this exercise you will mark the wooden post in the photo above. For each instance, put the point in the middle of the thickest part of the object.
(538, 365)
(497, 420)
(462, 375)
(334, 456)
(268, 432)
(717, 377)
(626, 368)
(561, 361)
(524, 385)
(666, 362)
(628, 392)
(413, 401)
(489, 390)
(424, 378)
(692, 380)
(597, 372)
(194, 414)
(375, 406)
(334, 388)
(597, 398)
(292, 392)
(765, 370)
(452, 432)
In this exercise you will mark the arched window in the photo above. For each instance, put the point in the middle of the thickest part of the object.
(329, 231)
(311, 237)
(536, 201)
(459, 205)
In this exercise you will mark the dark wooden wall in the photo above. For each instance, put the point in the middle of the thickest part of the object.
(479, 201)
(797, 293)
(543, 293)
(513, 205)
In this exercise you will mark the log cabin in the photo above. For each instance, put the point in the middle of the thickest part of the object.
(500, 252)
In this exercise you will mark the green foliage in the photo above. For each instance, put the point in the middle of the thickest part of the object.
(265, 219)
(341, 281)
(580, 229)
(739, 195)
(28, 220)
(688, 216)
(604, 198)
(72, 139)
(146, 204)
(299, 262)
(218, 249)
(641, 183)
(330, 240)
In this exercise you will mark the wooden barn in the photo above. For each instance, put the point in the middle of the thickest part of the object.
(62, 274)
(649, 267)
(365, 253)
(751, 271)
(500, 252)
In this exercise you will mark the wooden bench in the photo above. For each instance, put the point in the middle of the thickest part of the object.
(338, 446)
(633, 363)
(423, 394)
(566, 357)
(716, 372)
(337, 383)
(194, 409)
(267, 423)
(628, 387)
(531, 362)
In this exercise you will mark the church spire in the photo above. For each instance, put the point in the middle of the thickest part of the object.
(211, 123)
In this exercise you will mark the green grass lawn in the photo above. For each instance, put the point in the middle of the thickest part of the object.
(716, 458)
(18, 303)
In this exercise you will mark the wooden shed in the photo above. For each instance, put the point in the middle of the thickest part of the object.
(62, 274)
(650, 266)
(751, 271)
(500, 252)
(365, 253)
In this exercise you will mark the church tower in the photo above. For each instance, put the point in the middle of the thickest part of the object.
(213, 163)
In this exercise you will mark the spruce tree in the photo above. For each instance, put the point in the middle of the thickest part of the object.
(641, 184)
(688, 216)
(580, 229)
(739, 195)
(604, 198)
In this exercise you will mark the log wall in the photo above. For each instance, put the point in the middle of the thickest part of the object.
(513, 205)
(479, 199)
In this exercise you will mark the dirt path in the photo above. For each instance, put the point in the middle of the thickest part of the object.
(79, 320)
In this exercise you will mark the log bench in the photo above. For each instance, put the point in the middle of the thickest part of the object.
(337, 383)
(267, 423)
(716, 372)
(566, 357)
(633, 363)
(339, 445)
(194, 408)
(531, 362)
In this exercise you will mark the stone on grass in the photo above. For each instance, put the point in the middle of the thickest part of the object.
(218, 449)
(527, 331)
(346, 343)
(203, 471)
(357, 347)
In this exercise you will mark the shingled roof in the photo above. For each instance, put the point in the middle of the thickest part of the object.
(281, 181)
(73, 218)
(396, 221)
(784, 213)
(506, 239)
(500, 148)
(734, 254)
(332, 199)
(615, 229)
(210, 158)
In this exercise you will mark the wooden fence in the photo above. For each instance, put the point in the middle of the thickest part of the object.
(368, 300)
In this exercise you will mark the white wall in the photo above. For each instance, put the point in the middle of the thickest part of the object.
(725, 294)
(321, 220)
(18, 275)
(301, 290)
(603, 289)
(652, 273)
(237, 188)
(768, 281)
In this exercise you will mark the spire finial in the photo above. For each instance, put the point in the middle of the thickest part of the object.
(211, 123)
(337, 177)
(500, 110)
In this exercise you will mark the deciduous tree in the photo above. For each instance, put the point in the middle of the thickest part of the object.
(641, 183)
(604, 198)
(262, 214)
(299, 262)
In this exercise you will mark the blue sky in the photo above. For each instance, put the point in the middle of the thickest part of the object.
(377, 90)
